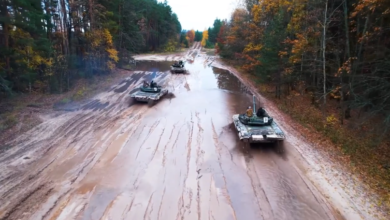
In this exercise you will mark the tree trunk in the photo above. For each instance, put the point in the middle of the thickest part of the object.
(323, 55)
(346, 29)
(48, 20)
(324, 49)
(91, 21)
(4, 10)
(64, 27)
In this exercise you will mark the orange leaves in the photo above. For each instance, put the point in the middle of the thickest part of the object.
(191, 36)
(299, 46)
(346, 67)
(334, 94)
(365, 6)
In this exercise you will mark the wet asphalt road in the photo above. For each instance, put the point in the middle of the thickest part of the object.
(179, 159)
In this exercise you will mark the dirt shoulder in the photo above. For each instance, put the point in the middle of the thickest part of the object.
(25, 111)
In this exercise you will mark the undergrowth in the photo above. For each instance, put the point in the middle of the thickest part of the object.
(361, 154)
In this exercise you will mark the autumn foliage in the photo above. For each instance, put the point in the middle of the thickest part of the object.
(205, 37)
(336, 54)
(191, 36)
(45, 46)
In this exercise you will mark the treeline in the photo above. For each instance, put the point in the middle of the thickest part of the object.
(46, 44)
(207, 37)
(188, 37)
(332, 49)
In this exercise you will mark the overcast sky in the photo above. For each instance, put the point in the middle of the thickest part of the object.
(200, 14)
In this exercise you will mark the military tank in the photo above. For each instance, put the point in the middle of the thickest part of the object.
(260, 128)
(178, 67)
(149, 93)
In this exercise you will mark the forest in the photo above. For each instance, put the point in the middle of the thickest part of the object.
(46, 45)
(333, 53)
(332, 49)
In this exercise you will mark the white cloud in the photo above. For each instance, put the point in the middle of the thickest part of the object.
(200, 14)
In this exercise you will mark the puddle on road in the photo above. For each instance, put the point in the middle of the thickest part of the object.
(152, 66)
(208, 97)
(229, 82)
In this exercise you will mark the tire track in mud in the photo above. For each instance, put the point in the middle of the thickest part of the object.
(30, 177)
(146, 138)
(12, 185)
(165, 147)
(55, 203)
(281, 193)
(216, 144)
(182, 209)
(40, 192)
(262, 199)
(158, 143)
(65, 128)
(16, 186)
(92, 161)
(76, 129)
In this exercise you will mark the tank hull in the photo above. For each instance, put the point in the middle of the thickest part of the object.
(258, 134)
(147, 96)
(178, 69)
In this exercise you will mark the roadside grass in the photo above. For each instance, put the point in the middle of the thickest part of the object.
(8, 120)
(356, 149)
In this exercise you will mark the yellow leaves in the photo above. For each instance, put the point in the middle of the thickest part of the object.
(251, 47)
(299, 15)
(110, 65)
(113, 54)
(26, 54)
(94, 38)
(170, 46)
(331, 120)
(107, 37)
(205, 37)
(101, 43)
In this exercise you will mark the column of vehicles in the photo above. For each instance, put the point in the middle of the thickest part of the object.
(151, 92)
(252, 127)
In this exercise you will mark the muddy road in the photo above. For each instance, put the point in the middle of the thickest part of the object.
(112, 158)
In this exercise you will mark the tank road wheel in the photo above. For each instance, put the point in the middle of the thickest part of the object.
(246, 145)
(151, 102)
(279, 147)
(132, 101)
